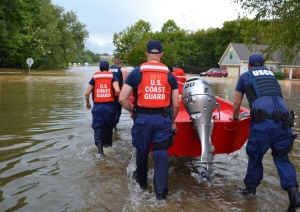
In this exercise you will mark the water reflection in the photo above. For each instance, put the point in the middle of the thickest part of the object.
(47, 157)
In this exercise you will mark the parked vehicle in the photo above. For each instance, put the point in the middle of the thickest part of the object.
(215, 72)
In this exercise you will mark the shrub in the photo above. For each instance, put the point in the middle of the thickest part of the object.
(279, 75)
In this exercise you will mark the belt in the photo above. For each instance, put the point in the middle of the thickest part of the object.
(101, 103)
(258, 115)
(150, 111)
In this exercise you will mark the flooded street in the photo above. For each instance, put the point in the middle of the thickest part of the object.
(48, 159)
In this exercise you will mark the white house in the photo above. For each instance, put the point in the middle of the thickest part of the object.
(106, 57)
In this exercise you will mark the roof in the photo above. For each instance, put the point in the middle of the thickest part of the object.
(244, 52)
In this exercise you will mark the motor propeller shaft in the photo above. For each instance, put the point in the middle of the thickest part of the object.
(199, 101)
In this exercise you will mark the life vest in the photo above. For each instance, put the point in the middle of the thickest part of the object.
(116, 70)
(154, 90)
(179, 75)
(103, 89)
(262, 82)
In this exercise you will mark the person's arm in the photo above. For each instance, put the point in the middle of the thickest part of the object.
(124, 74)
(87, 96)
(175, 105)
(238, 97)
(124, 98)
(116, 88)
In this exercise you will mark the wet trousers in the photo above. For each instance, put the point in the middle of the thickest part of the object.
(263, 136)
(103, 123)
(149, 129)
(118, 112)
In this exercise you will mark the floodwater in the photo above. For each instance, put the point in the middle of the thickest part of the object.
(48, 159)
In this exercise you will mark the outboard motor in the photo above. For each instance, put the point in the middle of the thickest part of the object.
(199, 101)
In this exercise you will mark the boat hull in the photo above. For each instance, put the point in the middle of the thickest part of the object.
(227, 136)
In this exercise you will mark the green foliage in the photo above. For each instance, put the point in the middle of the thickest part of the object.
(276, 24)
(126, 41)
(279, 75)
(53, 37)
(39, 30)
(200, 48)
(89, 57)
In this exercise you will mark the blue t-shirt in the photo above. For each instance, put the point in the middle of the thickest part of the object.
(135, 77)
(269, 103)
(116, 70)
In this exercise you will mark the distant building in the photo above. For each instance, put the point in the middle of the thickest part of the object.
(236, 56)
(106, 57)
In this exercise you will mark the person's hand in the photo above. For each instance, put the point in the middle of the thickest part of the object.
(88, 106)
(234, 119)
(244, 115)
(174, 127)
(241, 115)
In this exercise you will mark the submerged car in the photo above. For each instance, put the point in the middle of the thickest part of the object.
(215, 72)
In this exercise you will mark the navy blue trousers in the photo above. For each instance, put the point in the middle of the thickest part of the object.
(263, 136)
(103, 122)
(149, 129)
(118, 112)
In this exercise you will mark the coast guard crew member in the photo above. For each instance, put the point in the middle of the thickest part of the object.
(121, 73)
(156, 106)
(104, 87)
(270, 127)
(178, 73)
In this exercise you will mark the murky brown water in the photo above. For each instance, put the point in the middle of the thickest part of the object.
(48, 160)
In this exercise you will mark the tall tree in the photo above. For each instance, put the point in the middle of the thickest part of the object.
(278, 23)
(174, 42)
(13, 19)
(40, 30)
(127, 40)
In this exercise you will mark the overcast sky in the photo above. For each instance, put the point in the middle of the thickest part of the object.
(104, 18)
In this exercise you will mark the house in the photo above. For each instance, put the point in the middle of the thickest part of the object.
(106, 57)
(235, 61)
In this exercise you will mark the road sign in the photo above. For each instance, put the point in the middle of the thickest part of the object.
(29, 61)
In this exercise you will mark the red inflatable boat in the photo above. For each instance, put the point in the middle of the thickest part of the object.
(227, 135)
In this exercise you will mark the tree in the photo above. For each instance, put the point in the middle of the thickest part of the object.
(278, 23)
(40, 30)
(169, 27)
(126, 40)
(12, 21)
(174, 42)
